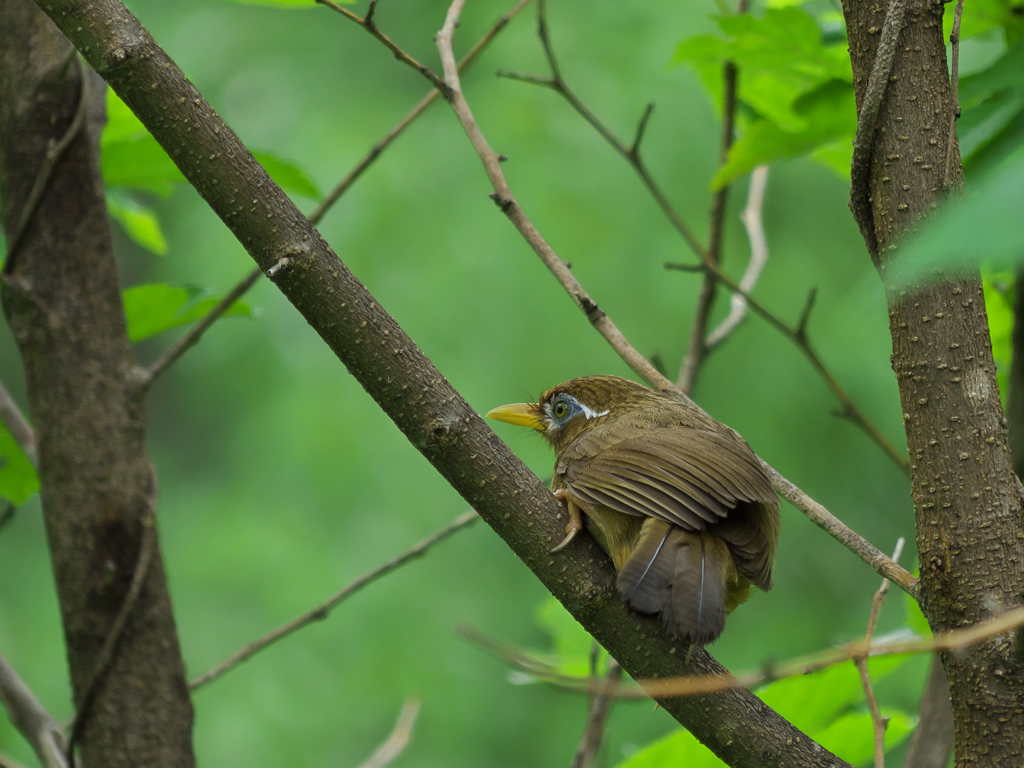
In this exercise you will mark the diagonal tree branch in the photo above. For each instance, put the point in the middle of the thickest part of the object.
(31, 719)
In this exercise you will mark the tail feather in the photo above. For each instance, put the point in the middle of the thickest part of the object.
(683, 576)
(646, 577)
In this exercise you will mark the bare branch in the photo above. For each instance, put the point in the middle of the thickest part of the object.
(954, 80)
(861, 662)
(860, 168)
(322, 610)
(369, 25)
(17, 424)
(597, 716)
(932, 741)
(7, 515)
(108, 652)
(31, 719)
(380, 146)
(46, 168)
(399, 738)
(696, 348)
(752, 221)
(957, 641)
(9, 762)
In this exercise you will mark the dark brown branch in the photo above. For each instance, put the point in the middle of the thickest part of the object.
(380, 146)
(932, 741)
(31, 719)
(16, 423)
(7, 515)
(954, 82)
(399, 738)
(867, 121)
(53, 154)
(368, 24)
(597, 716)
(321, 611)
(105, 658)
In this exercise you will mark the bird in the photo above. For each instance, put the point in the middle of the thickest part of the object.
(677, 499)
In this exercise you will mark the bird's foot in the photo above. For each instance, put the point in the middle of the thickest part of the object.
(575, 524)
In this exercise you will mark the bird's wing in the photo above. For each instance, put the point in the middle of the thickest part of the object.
(684, 476)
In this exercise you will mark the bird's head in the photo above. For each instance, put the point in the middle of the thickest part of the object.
(564, 412)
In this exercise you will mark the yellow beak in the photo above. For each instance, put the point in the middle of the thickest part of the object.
(520, 414)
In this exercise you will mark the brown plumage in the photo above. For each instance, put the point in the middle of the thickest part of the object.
(677, 499)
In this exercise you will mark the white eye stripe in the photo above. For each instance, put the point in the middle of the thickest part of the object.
(589, 412)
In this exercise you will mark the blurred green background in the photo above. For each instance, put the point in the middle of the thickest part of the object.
(281, 481)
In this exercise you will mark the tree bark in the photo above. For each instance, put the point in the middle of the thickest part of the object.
(735, 724)
(967, 500)
(62, 299)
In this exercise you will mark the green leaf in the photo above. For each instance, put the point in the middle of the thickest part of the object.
(998, 288)
(984, 224)
(915, 618)
(983, 16)
(829, 117)
(141, 163)
(836, 156)
(18, 478)
(154, 308)
(990, 100)
(852, 736)
(678, 748)
(288, 175)
(812, 702)
(781, 57)
(139, 222)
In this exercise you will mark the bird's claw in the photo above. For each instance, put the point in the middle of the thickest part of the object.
(575, 524)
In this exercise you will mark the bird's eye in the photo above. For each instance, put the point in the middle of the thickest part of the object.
(561, 409)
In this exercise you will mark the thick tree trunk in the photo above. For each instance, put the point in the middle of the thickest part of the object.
(62, 298)
(967, 500)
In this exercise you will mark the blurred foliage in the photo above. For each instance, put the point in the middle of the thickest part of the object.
(281, 480)
(153, 309)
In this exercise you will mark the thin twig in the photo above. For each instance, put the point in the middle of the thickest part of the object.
(427, 100)
(31, 719)
(370, 26)
(53, 154)
(322, 610)
(597, 716)
(505, 200)
(632, 153)
(399, 738)
(861, 662)
(17, 424)
(10, 762)
(860, 167)
(190, 339)
(754, 224)
(510, 207)
(954, 81)
(957, 641)
(108, 652)
(696, 347)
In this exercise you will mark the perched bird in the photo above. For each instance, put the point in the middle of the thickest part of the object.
(677, 499)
